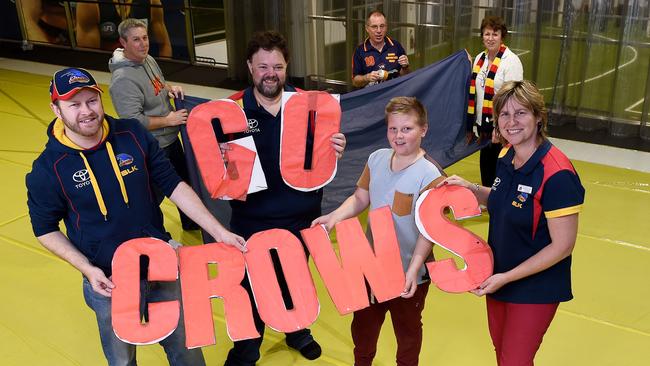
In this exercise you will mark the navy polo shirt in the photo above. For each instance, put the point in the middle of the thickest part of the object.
(278, 206)
(521, 201)
(367, 58)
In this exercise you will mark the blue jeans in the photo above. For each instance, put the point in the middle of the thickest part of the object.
(119, 353)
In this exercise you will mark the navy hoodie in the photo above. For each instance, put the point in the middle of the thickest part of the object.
(106, 199)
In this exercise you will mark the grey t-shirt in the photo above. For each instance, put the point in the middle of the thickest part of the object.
(400, 191)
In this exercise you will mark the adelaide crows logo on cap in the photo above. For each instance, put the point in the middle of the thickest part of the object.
(76, 76)
(124, 159)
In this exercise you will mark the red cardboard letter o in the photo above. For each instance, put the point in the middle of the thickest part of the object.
(324, 112)
(268, 295)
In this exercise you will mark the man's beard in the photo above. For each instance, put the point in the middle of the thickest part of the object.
(269, 91)
(76, 128)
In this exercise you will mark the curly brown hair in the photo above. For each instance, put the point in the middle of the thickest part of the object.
(267, 40)
(496, 24)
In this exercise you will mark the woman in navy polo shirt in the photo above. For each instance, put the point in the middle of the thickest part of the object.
(533, 206)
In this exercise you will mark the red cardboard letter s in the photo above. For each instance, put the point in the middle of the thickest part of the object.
(433, 224)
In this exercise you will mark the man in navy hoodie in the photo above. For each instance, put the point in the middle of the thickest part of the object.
(96, 174)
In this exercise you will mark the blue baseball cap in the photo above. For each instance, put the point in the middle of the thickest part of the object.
(67, 82)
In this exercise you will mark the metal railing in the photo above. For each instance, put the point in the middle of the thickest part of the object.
(592, 63)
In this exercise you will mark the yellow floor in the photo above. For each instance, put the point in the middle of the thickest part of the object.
(44, 321)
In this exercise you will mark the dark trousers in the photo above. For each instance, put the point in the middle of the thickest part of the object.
(406, 315)
(176, 156)
(517, 330)
(247, 352)
(488, 160)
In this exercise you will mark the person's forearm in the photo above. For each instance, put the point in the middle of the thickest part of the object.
(421, 252)
(545, 258)
(351, 207)
(359, 81)
(480, 192)
(57, 243)
(404, 70)
(156, 122)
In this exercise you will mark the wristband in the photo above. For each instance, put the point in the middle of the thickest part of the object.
(476, 187)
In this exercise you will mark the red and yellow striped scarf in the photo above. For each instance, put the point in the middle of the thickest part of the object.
(489, 87)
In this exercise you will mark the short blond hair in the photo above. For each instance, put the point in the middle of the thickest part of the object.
(525, 93)
(406, 105)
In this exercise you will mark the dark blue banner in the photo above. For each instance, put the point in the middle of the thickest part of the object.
(442, 89)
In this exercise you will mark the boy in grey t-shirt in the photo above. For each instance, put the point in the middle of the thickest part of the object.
(394, 177)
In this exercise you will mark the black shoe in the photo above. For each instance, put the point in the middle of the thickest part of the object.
(311, 350)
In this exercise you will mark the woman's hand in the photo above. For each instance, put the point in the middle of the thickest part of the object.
(455, 180)
(481, 193)
(563, 230)
(491, 285)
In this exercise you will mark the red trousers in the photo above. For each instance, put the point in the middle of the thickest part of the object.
(406, 315)
(517, 330)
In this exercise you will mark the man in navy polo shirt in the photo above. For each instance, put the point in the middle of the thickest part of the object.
(379, 57)
(278, 206)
